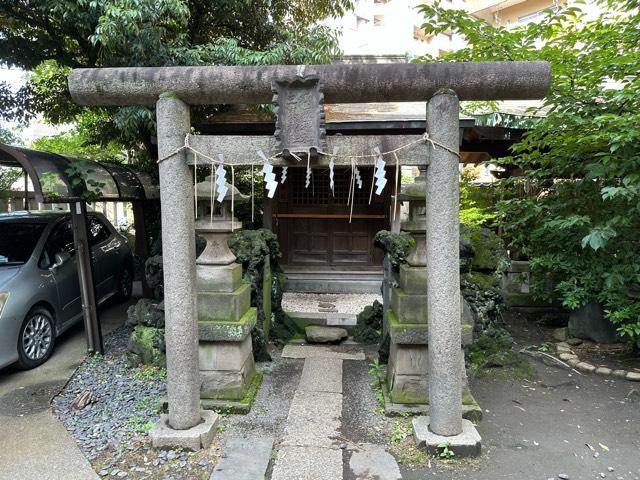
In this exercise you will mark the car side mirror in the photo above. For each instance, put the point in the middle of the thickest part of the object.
(60, 258)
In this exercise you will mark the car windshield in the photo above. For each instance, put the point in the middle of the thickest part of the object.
(17, 241)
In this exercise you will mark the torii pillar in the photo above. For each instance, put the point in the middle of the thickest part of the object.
(442, 84)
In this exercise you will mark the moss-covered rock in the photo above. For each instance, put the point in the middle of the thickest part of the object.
(146, 312)
(369, 326)
(147, 345)
(484, 281)
(488, 249)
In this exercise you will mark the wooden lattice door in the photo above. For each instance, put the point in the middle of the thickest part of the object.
(313, 223)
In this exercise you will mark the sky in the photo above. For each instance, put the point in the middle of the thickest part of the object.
(16, 78)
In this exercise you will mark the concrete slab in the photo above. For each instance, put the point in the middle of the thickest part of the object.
(321, 375)
(308, 463)
(465, 444)
(373, 462)
(314, 420)
(38, 447)
(343, 352)
(34, 445)
(244, 459)
(195, 438)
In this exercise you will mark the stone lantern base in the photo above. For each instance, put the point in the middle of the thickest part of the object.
(225, 321)
(407, 372)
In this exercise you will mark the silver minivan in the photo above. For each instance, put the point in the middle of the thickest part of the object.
(39, 287)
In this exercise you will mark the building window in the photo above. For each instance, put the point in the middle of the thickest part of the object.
(378, 20)
(418, 34)
(381, 1)
(361, 22)
(533, 17)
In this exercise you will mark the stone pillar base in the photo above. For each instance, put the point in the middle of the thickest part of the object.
(465, 444)
(194, 438)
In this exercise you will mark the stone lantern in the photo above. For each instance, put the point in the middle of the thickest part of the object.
(407, 380)
(225, 316)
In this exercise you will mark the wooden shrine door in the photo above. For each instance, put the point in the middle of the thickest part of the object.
(313, 225)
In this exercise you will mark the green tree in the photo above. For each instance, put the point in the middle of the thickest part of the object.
(575, 212)
(50, 37)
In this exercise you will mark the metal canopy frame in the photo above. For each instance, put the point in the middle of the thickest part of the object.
(122, 184)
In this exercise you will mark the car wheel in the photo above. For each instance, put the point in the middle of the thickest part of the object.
(37, 338)
(125, 284)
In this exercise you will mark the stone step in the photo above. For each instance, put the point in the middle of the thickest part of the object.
(243, 459)
(344, 352)
(334, 282)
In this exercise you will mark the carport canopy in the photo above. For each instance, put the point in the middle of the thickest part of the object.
(54, 183)
(61, 179)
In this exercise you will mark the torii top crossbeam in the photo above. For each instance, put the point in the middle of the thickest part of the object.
(342, 83)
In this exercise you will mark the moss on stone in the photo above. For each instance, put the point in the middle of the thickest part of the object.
(147, 343)
(228, 331)
(252, 391)
(489, 252)
(484, 281)
(492, 353)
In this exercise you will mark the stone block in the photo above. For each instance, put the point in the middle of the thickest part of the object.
(224, 355)
(227, 384)
(619, 374)
(218, 278)
(195, 438)
(465, 444)
(320, 334)
(409, 389)
(409, 308)
(633, 376)
(224, 306)
(417, 334)
(413, 280)
(561, 334)
(217, 331)
(589, 322)
(408, 359)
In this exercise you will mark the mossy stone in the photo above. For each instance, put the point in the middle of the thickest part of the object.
(148, 344)
(489, 252)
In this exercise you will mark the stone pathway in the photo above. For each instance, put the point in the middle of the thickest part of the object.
(312, 447)
(244, 458)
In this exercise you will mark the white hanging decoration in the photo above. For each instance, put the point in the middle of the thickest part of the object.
(380, 173)
(221, 182)
(269, 177)
(284, 174)
(331, 165)
(307, 181)
(308, 178)
(358, 178)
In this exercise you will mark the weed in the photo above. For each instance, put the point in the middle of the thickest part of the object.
(546, 347)
(378, 372)
(149, 372)
(444, 450)
(95, 359)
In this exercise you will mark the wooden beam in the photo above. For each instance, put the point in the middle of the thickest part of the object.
(241, 149)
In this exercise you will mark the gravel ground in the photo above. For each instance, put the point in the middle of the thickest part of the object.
(352, 303)
(112, 430)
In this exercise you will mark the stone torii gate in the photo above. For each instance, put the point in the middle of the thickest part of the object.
(300, 92)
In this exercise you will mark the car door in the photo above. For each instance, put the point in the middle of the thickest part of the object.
(104, 252)
(60, 240)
